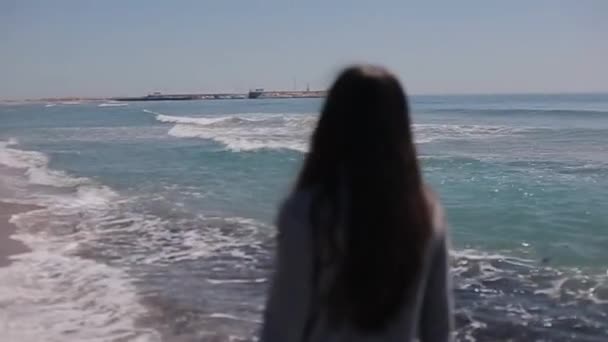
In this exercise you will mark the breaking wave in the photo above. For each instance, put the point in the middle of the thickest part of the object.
(257, 131)
(62, 296)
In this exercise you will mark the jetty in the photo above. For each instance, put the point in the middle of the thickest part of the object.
(157, 96)
(252, 94)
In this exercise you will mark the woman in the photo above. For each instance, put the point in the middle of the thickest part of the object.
(362, 253)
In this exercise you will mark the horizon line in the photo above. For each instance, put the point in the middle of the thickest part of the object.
(101, 98)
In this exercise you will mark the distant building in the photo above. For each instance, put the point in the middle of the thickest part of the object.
(254, 94)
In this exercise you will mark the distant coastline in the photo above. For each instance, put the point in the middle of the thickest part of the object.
(253, 94)
(263, 94)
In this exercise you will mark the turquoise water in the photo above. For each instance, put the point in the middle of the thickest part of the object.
(166, 210)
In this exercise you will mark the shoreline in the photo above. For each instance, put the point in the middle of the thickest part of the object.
(9, 246)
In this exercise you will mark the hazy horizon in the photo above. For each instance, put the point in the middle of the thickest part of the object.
(601, 93)
(69, 48)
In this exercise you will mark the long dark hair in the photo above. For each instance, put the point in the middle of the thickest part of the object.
(369, 214)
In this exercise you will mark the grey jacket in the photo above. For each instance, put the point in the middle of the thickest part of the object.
(429, 318)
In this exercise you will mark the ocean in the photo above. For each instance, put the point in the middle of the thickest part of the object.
(158, 217)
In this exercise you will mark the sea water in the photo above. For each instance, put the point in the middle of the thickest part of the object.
(158, 219)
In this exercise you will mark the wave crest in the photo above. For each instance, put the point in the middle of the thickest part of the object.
(35, 166)
(257, 131)
(247, 131)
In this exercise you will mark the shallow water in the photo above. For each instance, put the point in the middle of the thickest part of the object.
(159, 215)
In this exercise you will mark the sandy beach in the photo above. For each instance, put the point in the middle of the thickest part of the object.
(8, 246)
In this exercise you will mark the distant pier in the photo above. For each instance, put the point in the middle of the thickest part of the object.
(253, 94)
(283, 94)
(182, 97)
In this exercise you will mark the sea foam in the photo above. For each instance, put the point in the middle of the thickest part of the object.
(257, 131)
(61, 295)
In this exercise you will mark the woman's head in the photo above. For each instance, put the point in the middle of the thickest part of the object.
(365, 116)
(363, 169)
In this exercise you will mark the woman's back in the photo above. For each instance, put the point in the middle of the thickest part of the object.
(295, 311)
(361, 249)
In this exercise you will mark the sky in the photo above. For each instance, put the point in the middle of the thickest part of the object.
(128, 47)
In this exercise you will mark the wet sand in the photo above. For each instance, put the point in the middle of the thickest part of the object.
(8, 246)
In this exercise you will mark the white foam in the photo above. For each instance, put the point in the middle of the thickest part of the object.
(51, 294)
(159, 245)
(189, 120)
(255, 131)
(150, 112)
(553, 290)
(240, 141)
(20, 159)
(35, 166)
(235, 119)
(92, 196)
(45, 176)
(477, 255)
(432, 132)
(247, 131)
(113, 104)
(231, 317)
(236, 281)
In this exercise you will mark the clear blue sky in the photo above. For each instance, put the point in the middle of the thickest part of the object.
(128, 47)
